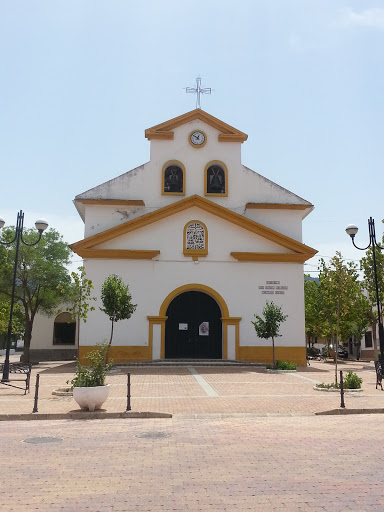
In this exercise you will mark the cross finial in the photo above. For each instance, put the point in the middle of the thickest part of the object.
(198, 90)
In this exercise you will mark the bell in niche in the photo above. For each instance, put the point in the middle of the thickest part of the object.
(216, 181)
(173, 181)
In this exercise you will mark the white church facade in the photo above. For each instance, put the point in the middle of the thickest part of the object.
(203, 242)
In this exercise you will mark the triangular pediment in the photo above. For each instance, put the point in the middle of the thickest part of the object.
(165, 130)
(90, 247)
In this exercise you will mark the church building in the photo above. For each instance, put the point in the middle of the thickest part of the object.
(203, 242)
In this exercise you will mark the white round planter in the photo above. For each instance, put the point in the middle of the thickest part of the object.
(91, 398)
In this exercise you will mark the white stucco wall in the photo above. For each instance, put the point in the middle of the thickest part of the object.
(237, 282)
(42, 333)
(145, 183)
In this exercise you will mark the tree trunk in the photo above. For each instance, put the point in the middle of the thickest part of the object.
(109, 344)
(273, 353)
(374, 338)
(27, 341)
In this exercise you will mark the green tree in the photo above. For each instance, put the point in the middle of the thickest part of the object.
(78, 297)
(41, 276)
(366, 265)
(269, 326)
(315, 320)
(342, 299)
(117, 302)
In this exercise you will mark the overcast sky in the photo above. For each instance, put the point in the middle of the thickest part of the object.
(82, 79)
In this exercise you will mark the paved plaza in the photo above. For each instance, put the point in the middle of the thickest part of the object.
(239, 439)
(199, 390)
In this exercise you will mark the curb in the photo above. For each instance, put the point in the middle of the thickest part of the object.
(84, 415)
(342, 412)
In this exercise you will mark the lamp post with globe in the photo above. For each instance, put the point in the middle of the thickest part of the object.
(41, 225)
(352, 230)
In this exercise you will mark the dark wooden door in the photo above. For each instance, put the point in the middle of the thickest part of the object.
(193, 328)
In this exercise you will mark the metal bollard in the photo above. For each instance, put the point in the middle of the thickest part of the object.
(36, 393)
(342, 404)
(128, 391)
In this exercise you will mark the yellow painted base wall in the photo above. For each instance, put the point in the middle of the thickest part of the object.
(295, 355)
(250, 354)
(120, 354)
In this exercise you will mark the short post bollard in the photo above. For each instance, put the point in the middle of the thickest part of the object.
(36, 393)
(128, 392)
(342, 404)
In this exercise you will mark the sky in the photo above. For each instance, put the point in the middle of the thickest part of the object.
(82, 79)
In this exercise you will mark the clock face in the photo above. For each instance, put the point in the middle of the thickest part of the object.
(197, 138)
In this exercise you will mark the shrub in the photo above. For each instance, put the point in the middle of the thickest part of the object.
(352, 381)
(95, 373)
(282, 365)
(327, 386)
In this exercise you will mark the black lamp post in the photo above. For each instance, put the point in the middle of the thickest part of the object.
(351, 230)
(41, 225)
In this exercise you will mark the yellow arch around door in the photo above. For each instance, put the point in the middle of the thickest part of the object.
(225, 318)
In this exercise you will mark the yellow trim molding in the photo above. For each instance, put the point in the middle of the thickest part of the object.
(118, 254)
(195, 253)
(164, 131)
(112, 202)
(264, 354)
(224, 167)
(226, 319)
(197, 145)
(270, 256)
(277, 206)
(120, 354)
(204, 204)
(168, 164)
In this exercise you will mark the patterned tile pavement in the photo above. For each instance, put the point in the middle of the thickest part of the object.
(253, 463)
(202, 390)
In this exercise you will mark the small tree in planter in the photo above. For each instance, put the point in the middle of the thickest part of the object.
(89, 388)
(117, 302)
(268, 327)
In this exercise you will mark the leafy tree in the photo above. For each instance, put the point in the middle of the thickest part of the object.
(342, 299)
(315, 321)
(117, 302)
(17, 320)
(366, 265)
(268, 327)
(41, 275)
(78, 296)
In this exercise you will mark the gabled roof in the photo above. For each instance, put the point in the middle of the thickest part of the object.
(303, 252)
(164, 130)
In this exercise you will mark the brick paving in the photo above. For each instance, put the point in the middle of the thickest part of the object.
(301, 463)
(240, 439)
(176, 390)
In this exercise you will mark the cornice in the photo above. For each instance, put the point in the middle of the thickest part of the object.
(112, 202)
(277, 206)
(164, 130)
(204, 204)
(272, 257)
(117, 254)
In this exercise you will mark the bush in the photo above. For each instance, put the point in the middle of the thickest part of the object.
(95, 373)
(282, 365)
(322, 385)
(352, 381)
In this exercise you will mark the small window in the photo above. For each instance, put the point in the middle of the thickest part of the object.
(195, 239)
(64, 330)
(368, 339)
(216, 179)
(173, 178)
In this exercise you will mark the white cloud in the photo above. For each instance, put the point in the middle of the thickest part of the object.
(373, 18)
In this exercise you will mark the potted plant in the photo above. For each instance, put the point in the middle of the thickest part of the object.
(89, 388)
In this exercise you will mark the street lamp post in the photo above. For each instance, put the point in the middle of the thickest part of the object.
(41, 225)
(351, 230)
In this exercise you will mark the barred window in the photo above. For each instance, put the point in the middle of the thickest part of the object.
(195, 236)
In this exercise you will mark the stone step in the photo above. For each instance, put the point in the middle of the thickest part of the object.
(189, 362)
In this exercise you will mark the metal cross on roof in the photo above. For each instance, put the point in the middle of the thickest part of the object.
(198, 90)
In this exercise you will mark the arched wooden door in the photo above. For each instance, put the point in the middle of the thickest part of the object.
(193, 328)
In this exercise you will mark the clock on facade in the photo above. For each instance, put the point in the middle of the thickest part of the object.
(197, 138)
